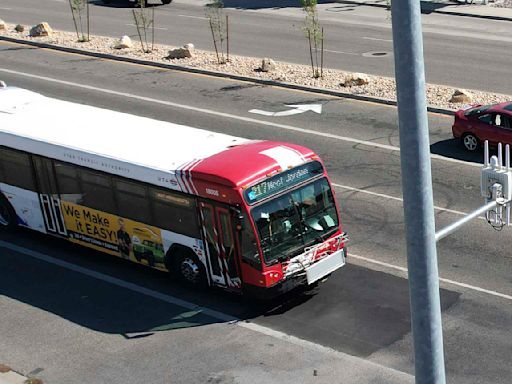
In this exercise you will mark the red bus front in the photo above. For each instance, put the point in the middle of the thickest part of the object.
(291, 232)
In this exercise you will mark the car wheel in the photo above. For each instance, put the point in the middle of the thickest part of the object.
(7, 214)
(190, 270)
(166, 1)
(470, 142)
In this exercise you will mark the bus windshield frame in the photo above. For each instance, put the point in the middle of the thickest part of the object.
(295, 219)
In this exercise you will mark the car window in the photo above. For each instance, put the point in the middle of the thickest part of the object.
(502, 121)
(477, 110)
(506, 122)
(487, 118)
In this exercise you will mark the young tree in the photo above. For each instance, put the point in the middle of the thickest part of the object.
(315, 35)
(144, 20)
(77, 10)
(220, 29)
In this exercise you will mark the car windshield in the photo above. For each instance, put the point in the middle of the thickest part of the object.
(295, 220)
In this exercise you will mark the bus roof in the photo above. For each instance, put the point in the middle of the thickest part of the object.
(141, 148)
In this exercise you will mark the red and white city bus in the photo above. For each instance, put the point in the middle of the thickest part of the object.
(246, 215)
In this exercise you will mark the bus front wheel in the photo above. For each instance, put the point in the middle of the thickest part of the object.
(7, 214)
(189, 269)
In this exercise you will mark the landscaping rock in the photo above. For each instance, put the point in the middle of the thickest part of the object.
(123, 43)
(41, 29)
(4, 368)
(184, 52)
(19, 28)
(355, 79)
(267, 65)
(379, 86)
(461, 96)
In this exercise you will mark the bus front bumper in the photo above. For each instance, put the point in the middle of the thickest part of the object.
(313, 274)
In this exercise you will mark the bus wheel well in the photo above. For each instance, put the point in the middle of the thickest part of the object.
(8, 219)
(183, 262)
(173, 254)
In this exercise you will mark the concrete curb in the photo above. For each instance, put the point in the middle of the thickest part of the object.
(273, 83)
(439, 11)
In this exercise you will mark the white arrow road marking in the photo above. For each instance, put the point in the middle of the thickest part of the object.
(299, 108)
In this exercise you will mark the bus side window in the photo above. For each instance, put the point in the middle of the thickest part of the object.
(16, 169)
(97, 191)
(174, 212)
(68, 182)
(133, 201)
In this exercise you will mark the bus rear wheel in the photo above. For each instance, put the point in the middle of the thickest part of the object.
(7, 214)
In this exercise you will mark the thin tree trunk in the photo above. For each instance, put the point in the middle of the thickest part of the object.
(315, 41)
(214, 42)
(227, 36)
(81, 25)
(311, 53)
(74, 20)
(153, 30)
(88, 23)
(322, 56)
(138, 30)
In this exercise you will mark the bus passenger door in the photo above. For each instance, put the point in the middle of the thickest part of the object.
(220, 246)
(48, 196)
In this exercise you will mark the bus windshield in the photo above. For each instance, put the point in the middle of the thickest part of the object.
(295, 220)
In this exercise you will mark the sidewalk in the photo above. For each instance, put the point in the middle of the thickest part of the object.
(451, 7)
(7, 376)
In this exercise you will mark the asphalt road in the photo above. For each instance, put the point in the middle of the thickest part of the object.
(362, 310)
(459, 51)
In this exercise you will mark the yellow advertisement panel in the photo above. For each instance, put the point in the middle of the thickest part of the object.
(113, 234)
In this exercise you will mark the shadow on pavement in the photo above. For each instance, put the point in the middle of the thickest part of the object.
(124, 3)
(357, 310)
(453, 149)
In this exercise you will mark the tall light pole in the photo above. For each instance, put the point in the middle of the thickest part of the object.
(417, 192)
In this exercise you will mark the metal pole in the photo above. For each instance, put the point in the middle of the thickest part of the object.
(454, 226)
(417, 192)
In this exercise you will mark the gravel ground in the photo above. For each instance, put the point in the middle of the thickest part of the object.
(502, 4)
(378, 86)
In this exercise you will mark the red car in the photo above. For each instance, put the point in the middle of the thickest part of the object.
(478, 123)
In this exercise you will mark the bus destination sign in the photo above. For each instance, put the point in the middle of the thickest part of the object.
(282, 181)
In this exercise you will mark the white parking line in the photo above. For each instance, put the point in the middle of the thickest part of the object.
(448, 281)
(376, 39)
(344, 53)
(395, 198)
(114, 281)
(133, 25)
(194, 17)
(190, 306)
(234, 117)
